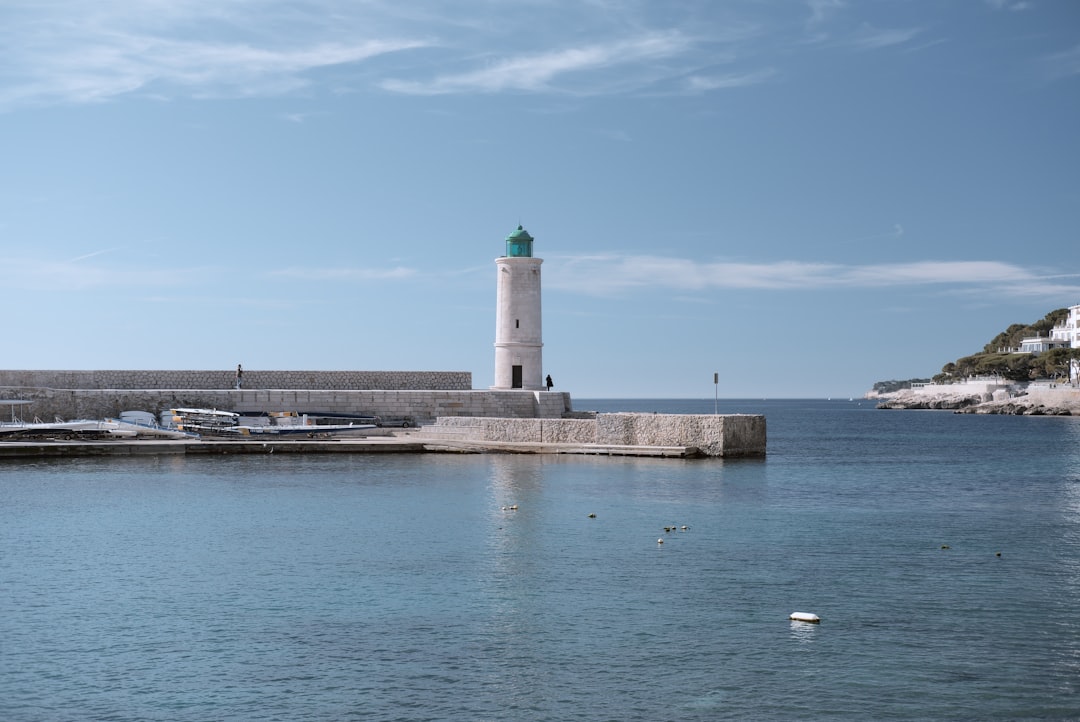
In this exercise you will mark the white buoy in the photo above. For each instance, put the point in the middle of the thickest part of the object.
(805, 617)
(660, 540)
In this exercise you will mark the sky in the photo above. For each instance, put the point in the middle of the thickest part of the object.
(802, 196)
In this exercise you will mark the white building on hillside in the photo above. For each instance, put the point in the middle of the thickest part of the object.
(1069, 330)
(1068, 334)
(1036, 345)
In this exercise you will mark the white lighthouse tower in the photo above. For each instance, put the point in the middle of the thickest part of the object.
(518, 338)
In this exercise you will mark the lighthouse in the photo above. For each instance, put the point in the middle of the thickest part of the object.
(518, 338)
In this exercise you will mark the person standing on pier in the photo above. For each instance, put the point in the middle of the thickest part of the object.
(239, 376)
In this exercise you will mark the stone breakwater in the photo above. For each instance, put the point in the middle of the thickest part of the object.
(1030, 400)
(729, 436)
(494, 418)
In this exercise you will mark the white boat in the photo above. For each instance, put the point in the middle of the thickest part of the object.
(290, 423)
(58, 429)
(84, 429)
(227, 423)
(309, 430)
(204, 420)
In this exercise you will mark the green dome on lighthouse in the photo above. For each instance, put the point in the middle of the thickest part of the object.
(519, 244)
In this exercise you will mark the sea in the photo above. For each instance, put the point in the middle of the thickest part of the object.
(940, 551)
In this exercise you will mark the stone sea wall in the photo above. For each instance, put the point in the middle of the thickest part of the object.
(732, 435)
(417, 406)
(252, 379)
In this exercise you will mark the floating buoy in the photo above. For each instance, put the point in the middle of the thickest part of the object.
(999, 554)
(805, 617)
(684, 527)
(945, 546)
(592, 516)
(513, 507)
(660, 540)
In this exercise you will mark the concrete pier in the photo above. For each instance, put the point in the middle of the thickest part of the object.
(729, 436)
(452, 419)
(655, 435)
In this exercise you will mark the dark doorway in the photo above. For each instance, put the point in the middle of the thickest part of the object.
(515, 383)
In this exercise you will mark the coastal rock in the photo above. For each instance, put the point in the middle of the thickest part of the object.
(1021, 400)
(1021, 407)
(900, 400)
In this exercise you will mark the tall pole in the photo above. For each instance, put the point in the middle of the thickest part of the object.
(716, 392)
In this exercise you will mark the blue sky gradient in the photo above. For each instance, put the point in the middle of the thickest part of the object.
(805, 197)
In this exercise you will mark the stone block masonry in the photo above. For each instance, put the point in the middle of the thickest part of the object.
(475, 416)
(253, 379)
(417, 405)
(105, 393)
(729, 436)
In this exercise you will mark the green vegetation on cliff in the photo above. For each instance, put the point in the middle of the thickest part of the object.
(887, 387)
(996, 359)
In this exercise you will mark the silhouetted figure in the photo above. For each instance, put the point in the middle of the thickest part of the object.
(549, 382)
(239, 376)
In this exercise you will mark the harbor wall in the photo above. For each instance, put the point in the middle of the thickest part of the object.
(421, 397)
(730, 435)
(415, 405)
(252, 379)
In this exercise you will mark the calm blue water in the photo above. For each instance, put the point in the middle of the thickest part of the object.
(397, 588)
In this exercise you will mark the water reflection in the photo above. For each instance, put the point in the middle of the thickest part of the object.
(515, 486)
(512, 585)
(803, 633)
(1071, 443)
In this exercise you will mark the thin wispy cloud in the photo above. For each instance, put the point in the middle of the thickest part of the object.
(64, 51)
(820, 11)
(299, 118)
(871, 38)
(617, 135)
(616, 275)
(345, 274)
(67, 51)
(78, 274)
(71, 52)
(92, 254)
(1063, 64)
(827, 22)
(699, 83)
(896, 232)
(118, 64)
(1011, 5)
(542, 71)
(75, 275)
